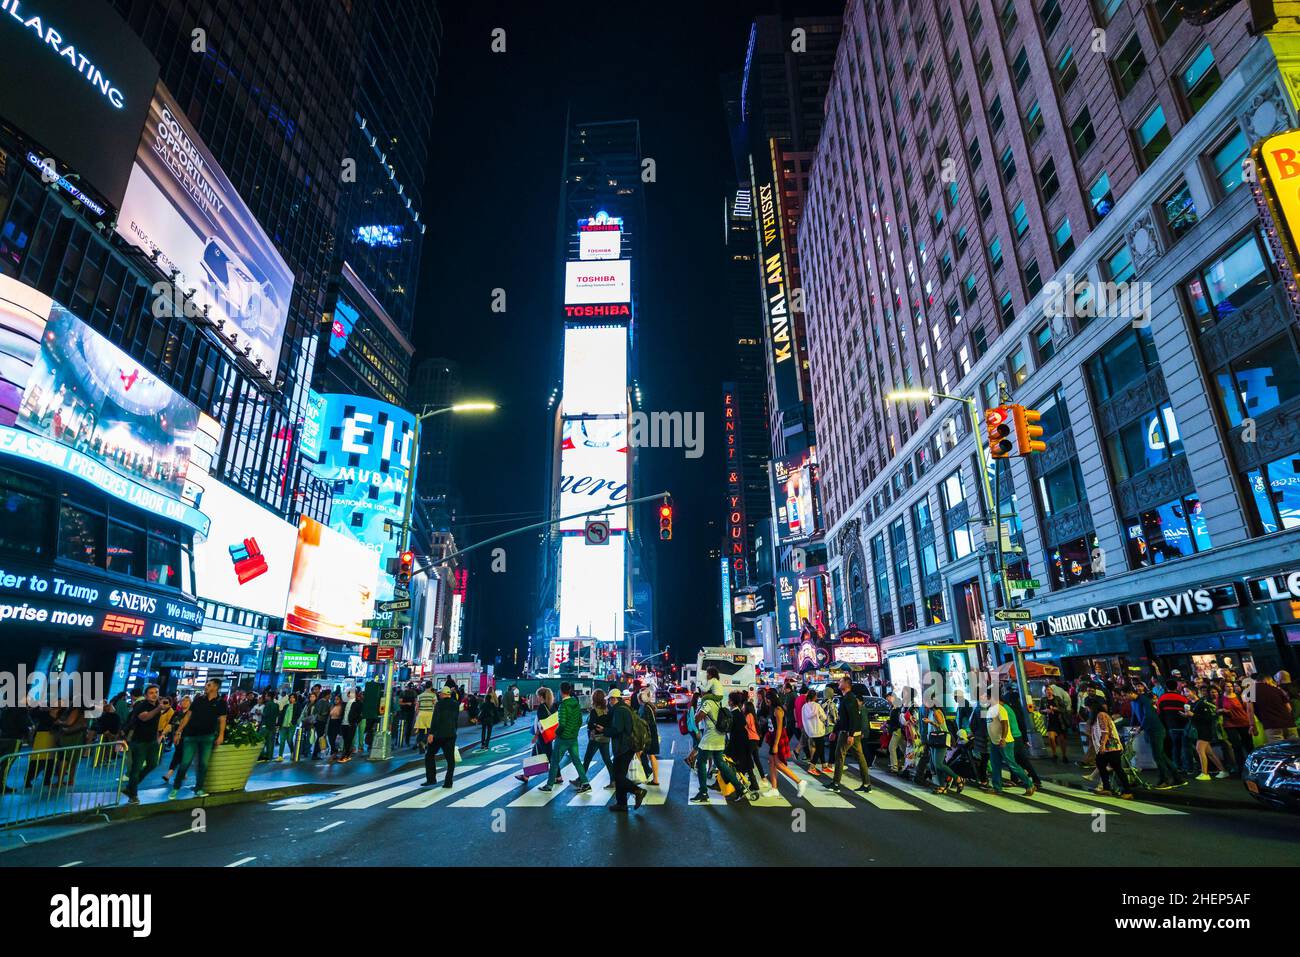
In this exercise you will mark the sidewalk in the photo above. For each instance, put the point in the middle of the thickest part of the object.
(270, 781)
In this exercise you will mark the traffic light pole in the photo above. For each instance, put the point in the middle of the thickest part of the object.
(1018, 653)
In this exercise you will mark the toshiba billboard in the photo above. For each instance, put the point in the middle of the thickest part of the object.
(598, 281)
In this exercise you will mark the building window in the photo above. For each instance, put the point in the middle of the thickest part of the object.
(1152, 135)
(1200, 79)
(1020, 219)
(27, 510)
(1006, 310)
(1008, 165)
(1124, 360)
(1106, 10)
(996, 115)
(984, 204)
(125, 553)
(902, 575)
(1033, 278)
(968, 290)
(164, 558)
(1063, 238)
(1067, 70)
(1033, 123)
(1103, 201)
(1261, 379)
(1222, 287)
(991, 393)
(1118, 264)
(1050, 13)
(1172, 530)
(1020, 66)
(881, 568)
(1019, 365)
(973, 154)
(1061, 488)
(959, 537)
(1043, 345)
(1048, 183)
(1129, 65)
(1007, 18)
(928, 563)
(1179, 211)
(1070, 563)
(961, 240)
(1167, 16)
(1275, 493)
(81, 535)
(1082, 134)
(984, 67)
(1143, 443)
(1227, 161)
(995, 253)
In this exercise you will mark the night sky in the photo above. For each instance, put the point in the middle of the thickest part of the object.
(491, 201)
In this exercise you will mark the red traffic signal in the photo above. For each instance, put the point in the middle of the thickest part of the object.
(405, 561)
(997, 425)
(666, 520)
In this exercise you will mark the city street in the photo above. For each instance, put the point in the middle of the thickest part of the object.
(489, 818)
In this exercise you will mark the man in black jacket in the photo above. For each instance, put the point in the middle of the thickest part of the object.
(446, 715)
(13, 732)
(848, 736)
(620, 740)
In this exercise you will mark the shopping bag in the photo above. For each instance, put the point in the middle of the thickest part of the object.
(457, 755)
(636, 773)
(548, 726)
(725, 786)
(536, 764)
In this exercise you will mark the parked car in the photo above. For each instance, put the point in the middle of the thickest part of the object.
(1273, 774)
(670, 701)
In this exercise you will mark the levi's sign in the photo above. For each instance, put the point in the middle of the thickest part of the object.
(1284, 586)
(1191, 602)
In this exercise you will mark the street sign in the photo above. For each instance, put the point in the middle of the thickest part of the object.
(1013, 614)
(397, 604)
(1024, 583)
(596, 531)
(374, 623)
(390, 638)
(385, 654)
(401, 591)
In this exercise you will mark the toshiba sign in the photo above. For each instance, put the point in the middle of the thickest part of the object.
(597, 282)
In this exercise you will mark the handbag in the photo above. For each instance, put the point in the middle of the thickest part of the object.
(636, 773)
(456, 755)
(536, 764)
(724, 786)
(548, 727)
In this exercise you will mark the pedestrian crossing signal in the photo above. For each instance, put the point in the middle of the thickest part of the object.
(666, 520)
(997, 425)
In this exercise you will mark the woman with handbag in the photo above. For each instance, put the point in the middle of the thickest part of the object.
(778, 743)
(937, 740)
(813, 719)
(1105, 741)
(334, 726)
(598, 720)
(650, 756)
(738, 741)
(489, 713)
(755, 739)
(541, 744)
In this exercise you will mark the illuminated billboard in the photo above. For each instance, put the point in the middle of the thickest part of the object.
(247, 558)
(595, 370)
(783, 363)
(332, 586)
(77, 81)
(794, 489)
(180, 206)
(593, 470)
(23, 312)
(85, 393)
(600, 241)
(598, 282)
(365, 453)
(592, 588)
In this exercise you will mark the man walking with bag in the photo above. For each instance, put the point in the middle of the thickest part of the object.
(848, 737)
(566, 739)
(442, 732)
(623, 744)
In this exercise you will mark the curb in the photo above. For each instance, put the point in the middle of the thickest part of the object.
(1176, 797)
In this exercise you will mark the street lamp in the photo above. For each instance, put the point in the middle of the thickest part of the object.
(990, 508)
(382, 749)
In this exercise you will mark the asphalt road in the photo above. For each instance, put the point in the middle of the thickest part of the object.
(489, 818)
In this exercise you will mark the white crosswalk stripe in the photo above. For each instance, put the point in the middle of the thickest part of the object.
(333, 796)
(598, 796)
(494, 791)
(656, 797)
(460, 784)
(944, 802)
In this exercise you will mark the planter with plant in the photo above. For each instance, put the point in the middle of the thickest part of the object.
(233, 761)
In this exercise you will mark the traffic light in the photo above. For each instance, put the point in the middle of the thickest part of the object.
(404, 563)
(666, 520)
(998, 428)
(1027, 430)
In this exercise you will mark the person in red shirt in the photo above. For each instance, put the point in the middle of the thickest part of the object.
(1175, 709)
(1237, 723)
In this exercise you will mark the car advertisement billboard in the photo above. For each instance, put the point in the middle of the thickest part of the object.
(365, 453)
(593, 470)
(592, 588)
(180, 206)
(77, 81)
(85, 393)
(247, 558)
(595, 370)
(332, 586)
(794, 489)
(597, 282)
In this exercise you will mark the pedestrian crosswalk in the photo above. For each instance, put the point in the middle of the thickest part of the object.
(496, 785)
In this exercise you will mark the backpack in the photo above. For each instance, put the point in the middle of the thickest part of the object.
(640, 732)
(723, 721)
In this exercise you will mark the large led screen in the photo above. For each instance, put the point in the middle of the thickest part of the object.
(23, 312)
(77, 81)
(85, 393)
(600, 242)
(365, 453)
(595, 370)
(247, 558)
(332, 587)
(598, 282)
(593, 470)
(180, 205)
(794, 484)
(591, 588)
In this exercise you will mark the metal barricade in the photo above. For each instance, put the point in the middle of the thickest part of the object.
(53, 782)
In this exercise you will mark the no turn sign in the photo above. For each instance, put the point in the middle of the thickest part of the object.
(597, 531)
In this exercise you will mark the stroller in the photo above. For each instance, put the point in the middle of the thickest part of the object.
(962, 762)
(1128, 761)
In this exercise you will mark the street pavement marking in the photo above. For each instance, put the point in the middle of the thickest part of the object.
(598, 796)
(1136, 806)
(539, 798)
(70, 864)
(1052, 800)
(328, 827)
(345, 793)
(943, 802)
(659, 795)
(1008, 804)
(379, 797)
(462, 783)
(188, 830)
(241, 861)
(817, 795)
(486, 795)
(880, 799)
